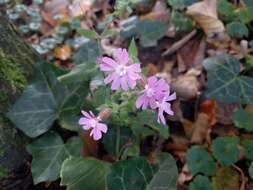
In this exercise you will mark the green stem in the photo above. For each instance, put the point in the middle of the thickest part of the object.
(118, 143)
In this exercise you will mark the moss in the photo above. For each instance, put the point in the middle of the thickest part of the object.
(11, 73)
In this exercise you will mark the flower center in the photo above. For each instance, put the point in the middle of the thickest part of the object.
(93, 123)
(121, 70)
(149, 91)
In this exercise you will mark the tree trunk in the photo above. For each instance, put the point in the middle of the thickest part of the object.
(16, 68)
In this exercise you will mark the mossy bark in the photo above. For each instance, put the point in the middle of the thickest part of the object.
(17, 61)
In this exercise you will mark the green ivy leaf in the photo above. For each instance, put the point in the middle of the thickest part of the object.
(248, 148)
(243, 119)
(48, 155)
(74, 146)
(200, 183)
(91, 34)
(251, 170)
(100, 96)
(200, 161)
(249, 4)
(84, 173)
(245, 15)
(148, 117)
(177, 4)
(225, 150)
(226, 9)
(225, 82)
(87, 53)
(138, 174)
(150, 32)
(36, 110)
(237, 29)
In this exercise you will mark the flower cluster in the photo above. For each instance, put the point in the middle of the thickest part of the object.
(122, 74)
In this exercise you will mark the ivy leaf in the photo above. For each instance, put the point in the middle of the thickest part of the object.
(36, 110)
(248, 148)
(148, 117)
(225, 82)
(200, 182)
(150, 32)
(245, 15)
(249, 4)
(243, 119)
(166, 175)
(91, 34)
(84, 173)
(225, 150)
(177, 4)
(48, 154)
(138, 174)
(182, 22)
(226, 9)
(87, 53)
(237, 29)
(200, 161)
(100, 96)
(74, 146)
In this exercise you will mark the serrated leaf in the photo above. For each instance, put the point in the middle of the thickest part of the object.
(84, 173)
(91, 34)
(138, 174)
(251, 170)
(133, 51)
(225, 82)
(150, 32)
(200, 183)
(225, 150)
(87, 53)
(200, 161)
(248, 148)
(243, 120)
(48, 154)
(237, 29)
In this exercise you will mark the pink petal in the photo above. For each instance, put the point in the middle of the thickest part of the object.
(132, 75)
(109, 61)
(83, 121)
(96, 134)
(135, 68)
(171, 97)
(102, 127)
(132, 83)
(167, 109)
(145, 104)
(116, 83)
(152, 103)
(110, 78)
(86, 114)
(140, 101)
(123, 82)
(91, 113)
(86, 127)
(152, 81)
(161, 118)
(121, 56)
(106, 67)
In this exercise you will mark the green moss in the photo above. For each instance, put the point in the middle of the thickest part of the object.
(11, 73)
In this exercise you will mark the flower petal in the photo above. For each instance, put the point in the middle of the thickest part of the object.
(123, 83)
(110, 78)
(106, 67)
(171, 97)
(140, 101)
(83, 121)
(97, 134)
(116, 83)
(86, 114)
(109, 61)
(102, 127)
(121, 56)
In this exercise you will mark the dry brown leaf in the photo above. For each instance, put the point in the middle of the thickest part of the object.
(205, 14)
(209, 107)
(224, 112)
(185, 175)
(63, 53)
(80, 7)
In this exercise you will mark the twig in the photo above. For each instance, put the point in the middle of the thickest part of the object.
(177, 45)
(242, 176)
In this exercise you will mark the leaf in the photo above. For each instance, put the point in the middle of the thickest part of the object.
(205, 14)
(74, 146)
(150, 32)
(245, 15)
(177, 4)
(100, 96)
(108, 33)
(225, 150)
(91, 34)
(84, 173)
(225, 82)
(200, 183)
(226, 178)
(243, 119)
(48, 155)
(226, 9)
(87, 53)
(200, 161)
(148, 117)
(249, 4)
(166, 175)
(110, 139)
(251, 170)
(182, 22)
(36, 110)
(133, 51)
(237, 29)
(138, 174)
(248, 148)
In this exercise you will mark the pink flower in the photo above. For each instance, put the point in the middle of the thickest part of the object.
(153, 92)
(164, 106)
(90, 121)
(122, 74)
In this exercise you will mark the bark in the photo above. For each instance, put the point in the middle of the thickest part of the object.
(16, 69)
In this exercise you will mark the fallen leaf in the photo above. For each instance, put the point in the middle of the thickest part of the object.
(185, 175)
(205, 14)
(80, 7)
(63, 53)
(224, 112)
(209, 107)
